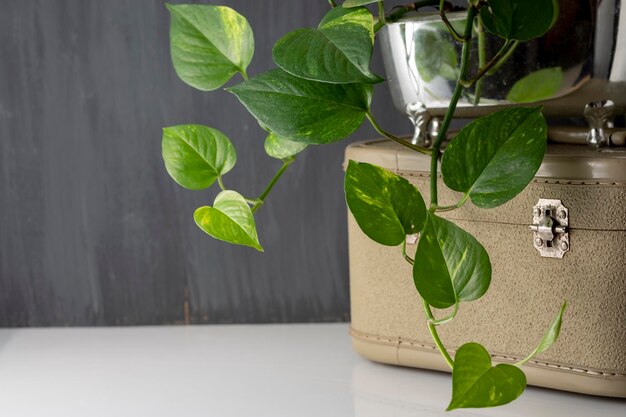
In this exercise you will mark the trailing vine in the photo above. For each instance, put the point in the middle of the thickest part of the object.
(320, 93)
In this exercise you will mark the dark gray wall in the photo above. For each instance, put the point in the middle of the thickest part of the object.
(94, 232)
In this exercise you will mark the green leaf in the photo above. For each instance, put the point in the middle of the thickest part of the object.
(475, 383)
(493, 158)
(385, 206)
(355, 3)
(282, 148)
(557, 12)
(338, 51)
(435, 56)
(303, 110)
(209, 44)
(230, 219)
(551, 335)
(450, 265)
(196, 155)
(538, 85)
(519, 19)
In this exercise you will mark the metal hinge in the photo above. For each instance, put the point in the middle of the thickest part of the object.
(550, 223)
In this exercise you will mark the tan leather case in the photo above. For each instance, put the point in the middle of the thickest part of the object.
(388, 323)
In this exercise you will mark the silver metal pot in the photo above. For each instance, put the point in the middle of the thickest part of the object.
(582, 59)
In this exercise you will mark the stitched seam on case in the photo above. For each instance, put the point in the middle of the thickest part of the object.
(398, 342)
(405, 174)
(418, 174)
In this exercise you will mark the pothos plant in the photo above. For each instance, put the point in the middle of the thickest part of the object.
(320, 93)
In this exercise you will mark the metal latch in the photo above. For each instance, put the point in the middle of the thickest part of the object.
(550, 222)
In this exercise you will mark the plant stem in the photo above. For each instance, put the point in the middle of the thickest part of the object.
(504, 58)
(451, 29)
(395, 138)
(397, 12)
(220, 183)
(526, 359)
(244, 74)
(270, 185)
(406, 257)
(381, 13)
(496, 58)
(332, 3)
(446, 319)
(482, 57)
(456, 95)
(434, 208)
(433, 332)
(432, 322)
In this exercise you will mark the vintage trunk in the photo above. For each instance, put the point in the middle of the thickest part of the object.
(527, 289)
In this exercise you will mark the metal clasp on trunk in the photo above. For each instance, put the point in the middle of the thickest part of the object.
(550, 222)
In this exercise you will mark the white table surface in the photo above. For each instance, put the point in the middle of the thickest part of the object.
(223, 371)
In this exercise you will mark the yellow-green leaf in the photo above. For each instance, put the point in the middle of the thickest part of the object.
(230, 219)
(357, 3)
(385, 206)
(281, 148)
(475, 383)
(209, 44)
(538, 85)
(196, 155)
(550, 336)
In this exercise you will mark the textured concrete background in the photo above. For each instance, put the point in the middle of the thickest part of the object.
(92, 229)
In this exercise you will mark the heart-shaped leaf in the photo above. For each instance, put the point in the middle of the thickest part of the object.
(519, 19)
(493, 158)
(230, 219)
(475, 383)
(385, 206)
(281, 148)
(196, 155)
(338, 51)
(450, 265)
(538, 85)
(209, 44)
(355, 3)
(303, 110)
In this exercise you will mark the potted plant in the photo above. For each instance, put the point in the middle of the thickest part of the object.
(320, 93)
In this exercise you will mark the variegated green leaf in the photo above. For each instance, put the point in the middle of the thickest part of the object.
(450, 264)
(357, 3)
(495, 157)
(230, 219)
(196, 155)
(338, 51)
(303, 110)
(385, 206)
(281, 148)
(209, 44)
(475, 383)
